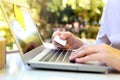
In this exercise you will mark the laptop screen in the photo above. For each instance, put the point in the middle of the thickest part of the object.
(23, 27)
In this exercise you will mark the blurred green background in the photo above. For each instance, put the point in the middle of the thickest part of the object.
(81, 17)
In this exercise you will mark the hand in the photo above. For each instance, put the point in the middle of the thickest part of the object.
(72, 41)
(101, 52)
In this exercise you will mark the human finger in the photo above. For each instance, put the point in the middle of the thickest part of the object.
(56, 33)
(65, 35)
(83, 51)
(92, 57)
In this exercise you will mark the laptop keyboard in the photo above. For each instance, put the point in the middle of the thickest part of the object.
(57, 56)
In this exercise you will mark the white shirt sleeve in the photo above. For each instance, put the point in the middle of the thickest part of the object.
(109, 32)
(102, 36)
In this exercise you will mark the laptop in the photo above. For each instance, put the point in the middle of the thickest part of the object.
(31, 46)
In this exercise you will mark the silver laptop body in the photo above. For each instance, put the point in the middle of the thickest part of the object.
(26, 34)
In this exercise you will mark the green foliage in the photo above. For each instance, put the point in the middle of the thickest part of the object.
(90, 7)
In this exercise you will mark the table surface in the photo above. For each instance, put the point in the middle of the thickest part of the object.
(16, 70)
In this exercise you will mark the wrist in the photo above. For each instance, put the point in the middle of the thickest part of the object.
(77, 43)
